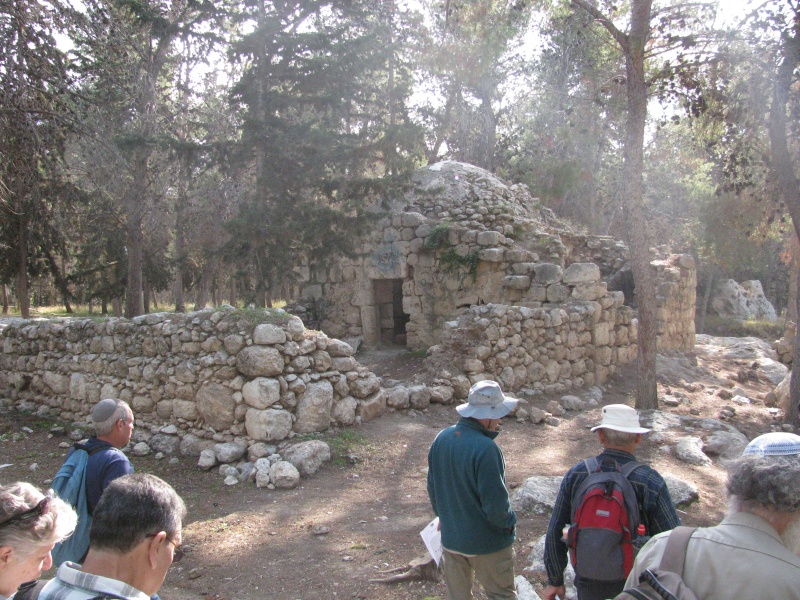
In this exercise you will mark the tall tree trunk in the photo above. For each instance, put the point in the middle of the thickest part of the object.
(703, 308)
(5, 299)
(60, 281)
(633, 48)
(232, 298)
(788, 182)
(134, 208)
(23, 296)
(146, 294)
(643, 276)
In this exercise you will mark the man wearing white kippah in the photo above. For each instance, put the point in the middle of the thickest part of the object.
(753, 553)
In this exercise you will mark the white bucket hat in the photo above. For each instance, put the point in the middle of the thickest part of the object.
(777, 443)
(486, 401)
(620, 417)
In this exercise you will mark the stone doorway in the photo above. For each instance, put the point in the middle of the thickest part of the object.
(389, 305)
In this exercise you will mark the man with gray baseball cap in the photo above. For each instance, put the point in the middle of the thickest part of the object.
(467, 490)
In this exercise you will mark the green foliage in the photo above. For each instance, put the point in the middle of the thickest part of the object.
(439, 237)
(342, 444)
(453, 260)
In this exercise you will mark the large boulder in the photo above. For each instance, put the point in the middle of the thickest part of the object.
(307, 457)
(216, 405)
(267, 425)
(314, 408)
(745, 301)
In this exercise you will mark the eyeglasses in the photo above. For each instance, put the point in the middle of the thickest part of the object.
(42, 508)
(178, 554)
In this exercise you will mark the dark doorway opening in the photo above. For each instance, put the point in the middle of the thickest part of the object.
(391, 318)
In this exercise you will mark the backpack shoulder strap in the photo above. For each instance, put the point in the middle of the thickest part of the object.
(630, 467)
(30, 590)
(591, 464)
(675, 552)
(90, 451)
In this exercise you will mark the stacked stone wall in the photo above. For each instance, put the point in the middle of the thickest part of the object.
(608, 254)
(214, 374)
(676, 298)
(548, 348)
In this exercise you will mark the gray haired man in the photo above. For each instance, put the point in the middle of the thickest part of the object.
(753, 553)
(136, 535)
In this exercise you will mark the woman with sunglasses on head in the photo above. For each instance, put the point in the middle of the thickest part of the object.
(30, 525)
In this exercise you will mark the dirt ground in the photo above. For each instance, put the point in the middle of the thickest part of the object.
(244, 542)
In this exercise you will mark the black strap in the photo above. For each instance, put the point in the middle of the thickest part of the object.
(636, 594)
(30, 590)
(675, 553)
(651, 578)
(90, 451)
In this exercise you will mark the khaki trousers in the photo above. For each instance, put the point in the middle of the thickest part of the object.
(494, 571)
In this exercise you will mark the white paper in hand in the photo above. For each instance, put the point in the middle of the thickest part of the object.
(433, 540)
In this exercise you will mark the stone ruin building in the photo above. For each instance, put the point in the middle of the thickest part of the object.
(491, 284)
(461, 265)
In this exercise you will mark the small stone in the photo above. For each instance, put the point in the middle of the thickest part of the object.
(320, 530)
(553, 421)
(195, 573)
(33, 466)
(231, 480)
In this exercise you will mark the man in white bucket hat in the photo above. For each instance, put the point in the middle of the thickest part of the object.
(467, 490)
(619, 433)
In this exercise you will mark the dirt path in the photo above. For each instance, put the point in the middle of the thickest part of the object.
(243, 542)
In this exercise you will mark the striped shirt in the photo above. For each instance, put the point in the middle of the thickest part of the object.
(71, 583)
(655, 509)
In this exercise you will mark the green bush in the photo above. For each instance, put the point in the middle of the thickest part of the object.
(439, 237)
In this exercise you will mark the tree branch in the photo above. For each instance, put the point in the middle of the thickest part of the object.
(622, 39)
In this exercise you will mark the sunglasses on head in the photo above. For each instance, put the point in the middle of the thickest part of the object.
(42, 508)
(178, 554)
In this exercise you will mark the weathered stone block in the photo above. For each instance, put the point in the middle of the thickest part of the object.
(256, 361)
(517, 282)
(547, 273)
(215, 404)
(261, 392)
(581, 273)
(268, 425)
(314, 408)
(266, 334)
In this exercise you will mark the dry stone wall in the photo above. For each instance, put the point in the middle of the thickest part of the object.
(676, 296)
(216, 375)
(551, 350)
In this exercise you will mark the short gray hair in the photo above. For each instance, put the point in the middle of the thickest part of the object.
(619, 438)
(121, 412)
(769, 482)
(26, 536)
(133, 507)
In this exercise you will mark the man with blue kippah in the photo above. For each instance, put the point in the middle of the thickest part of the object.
(467, 490)
(755, 551)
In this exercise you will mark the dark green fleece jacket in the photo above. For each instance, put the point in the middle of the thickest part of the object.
(467, 489)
